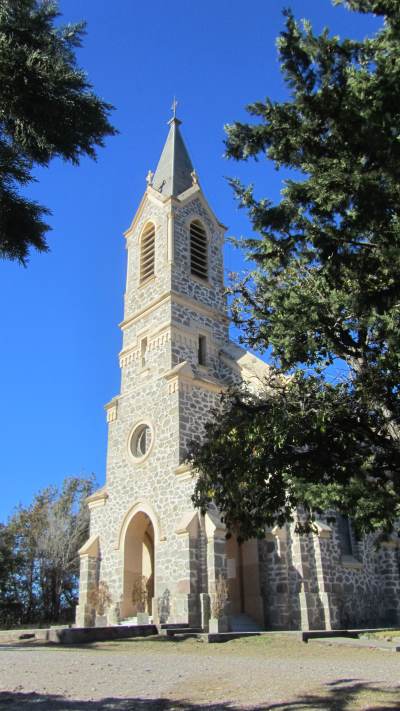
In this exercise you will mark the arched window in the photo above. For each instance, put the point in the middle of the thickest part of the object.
(147, 252)
(198, 250)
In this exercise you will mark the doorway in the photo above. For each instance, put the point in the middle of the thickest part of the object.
(138, 566)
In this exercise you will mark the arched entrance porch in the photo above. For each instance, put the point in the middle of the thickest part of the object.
(138, 580)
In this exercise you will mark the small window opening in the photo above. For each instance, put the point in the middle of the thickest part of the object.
(202, 354)
(345, 536)
(147, 253)
(143, 352)
(198, 250)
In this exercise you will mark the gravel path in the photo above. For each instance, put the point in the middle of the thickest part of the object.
(145, 674)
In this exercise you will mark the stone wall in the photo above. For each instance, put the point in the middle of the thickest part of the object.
(308, 584)
(302, 581)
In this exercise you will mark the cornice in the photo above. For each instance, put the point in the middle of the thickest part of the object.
(146, 310)
(198, 306)
(170, 297)
(196, 191)
(182, 375)
(97, 499)
(111, 409)
(152, 196)
(168, 201)
(184, 472)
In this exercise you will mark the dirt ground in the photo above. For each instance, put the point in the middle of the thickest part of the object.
(151, 674)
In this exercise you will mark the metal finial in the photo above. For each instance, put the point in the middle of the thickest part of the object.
(173, 107)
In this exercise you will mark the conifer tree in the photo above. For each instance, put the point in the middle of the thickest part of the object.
(47, 110)
(324, 295)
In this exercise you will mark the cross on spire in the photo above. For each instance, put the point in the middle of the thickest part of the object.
(174, 171)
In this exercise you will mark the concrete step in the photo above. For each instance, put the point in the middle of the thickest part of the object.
(243, 623)
(129, 621)
(174, 631)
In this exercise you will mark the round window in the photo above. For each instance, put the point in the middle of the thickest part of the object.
(140, 441)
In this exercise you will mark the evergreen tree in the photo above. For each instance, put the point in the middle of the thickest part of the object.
(47, 110)
(325, 292)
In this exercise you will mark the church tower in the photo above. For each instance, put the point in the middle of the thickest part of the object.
(154, 552)
(175, 361)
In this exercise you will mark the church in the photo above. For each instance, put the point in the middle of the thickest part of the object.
(176, 359)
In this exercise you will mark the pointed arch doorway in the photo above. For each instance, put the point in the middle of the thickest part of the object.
(138, 564)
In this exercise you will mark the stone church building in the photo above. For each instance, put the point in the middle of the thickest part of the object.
(176, 359)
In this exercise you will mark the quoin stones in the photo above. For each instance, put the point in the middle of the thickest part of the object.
(156, 554)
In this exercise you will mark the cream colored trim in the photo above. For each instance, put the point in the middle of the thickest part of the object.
(197, 306)
(183, 373)
(196, 191)
(155, 197)
(186, 523)
(323, 530)
(169, 297)
(128, 355)
(184, 472)
(146, 310)
(213, 525)
(91, 547)
(183, 368)
(170, 238)
(111, 409)
(111, 402)
(137, 216)
(99, 498)
(151, 196)
(158, 198)
(156, 337)
(137, 507)
(98, 504)
(280, 532)
(147, 281)
(139, 460)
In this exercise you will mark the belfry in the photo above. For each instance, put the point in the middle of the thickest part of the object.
(176, 359)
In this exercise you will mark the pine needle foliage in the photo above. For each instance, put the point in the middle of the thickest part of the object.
(325, 292)
(47, 110)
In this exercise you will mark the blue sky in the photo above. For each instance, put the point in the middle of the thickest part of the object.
(58, 326)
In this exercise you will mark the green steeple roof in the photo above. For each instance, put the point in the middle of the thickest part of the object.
(174, 171)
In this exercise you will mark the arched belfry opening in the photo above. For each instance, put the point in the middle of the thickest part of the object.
(138, 566)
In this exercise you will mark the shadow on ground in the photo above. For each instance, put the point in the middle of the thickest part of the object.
(342, 695)
(92, 646)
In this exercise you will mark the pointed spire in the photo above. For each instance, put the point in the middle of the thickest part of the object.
(174, 171)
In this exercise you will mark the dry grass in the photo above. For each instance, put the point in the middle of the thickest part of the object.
(274, 672)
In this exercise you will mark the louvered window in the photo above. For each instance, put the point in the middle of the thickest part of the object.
(147, 253)
(198, 250)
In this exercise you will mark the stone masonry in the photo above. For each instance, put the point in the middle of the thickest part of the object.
(142, 522)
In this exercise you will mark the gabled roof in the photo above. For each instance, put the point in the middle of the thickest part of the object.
(174, 171)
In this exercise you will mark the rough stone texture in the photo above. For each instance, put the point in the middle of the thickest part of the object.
(304, 581)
